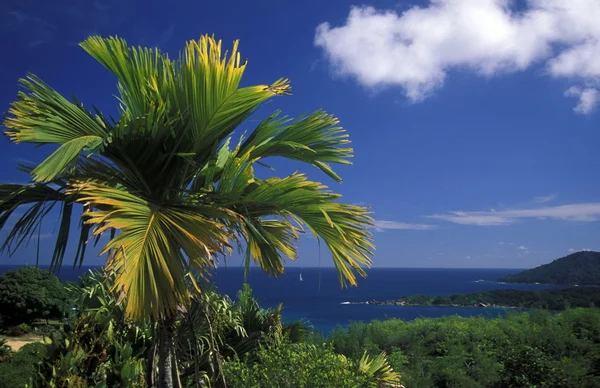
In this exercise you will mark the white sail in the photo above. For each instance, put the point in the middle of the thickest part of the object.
(301, 278)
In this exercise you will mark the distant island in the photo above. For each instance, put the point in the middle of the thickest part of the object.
(555, 300)
(580, 268)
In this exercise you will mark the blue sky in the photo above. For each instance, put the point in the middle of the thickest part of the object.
(475, 129)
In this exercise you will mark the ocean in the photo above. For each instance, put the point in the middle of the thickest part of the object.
(319, 298)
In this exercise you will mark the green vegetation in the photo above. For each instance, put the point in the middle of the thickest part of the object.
(216, 339)
(295, 365)
(536, 349)
(171, 181)
(238, 344)
(581, 268)
(556, 300)
(4, 350)
(30, 293)
(20, 368)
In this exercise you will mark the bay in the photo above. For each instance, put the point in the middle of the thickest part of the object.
(320, 299)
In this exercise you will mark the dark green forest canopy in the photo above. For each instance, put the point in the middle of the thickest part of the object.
(535, 349)
(556, 299)
(30, 293)
(581, 268)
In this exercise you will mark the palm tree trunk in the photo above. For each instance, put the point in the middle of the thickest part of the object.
(168, 376)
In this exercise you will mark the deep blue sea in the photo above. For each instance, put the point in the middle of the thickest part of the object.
(321, 301)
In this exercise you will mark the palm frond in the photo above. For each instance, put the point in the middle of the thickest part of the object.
(37, 200)
(342, 227)
(268, 242)
(315, 139)
(43, 116)
(148, 252)
(378, 368)
(176, 113)
(209, 88)
(145, 77)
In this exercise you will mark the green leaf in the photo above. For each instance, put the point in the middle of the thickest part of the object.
(64, 158)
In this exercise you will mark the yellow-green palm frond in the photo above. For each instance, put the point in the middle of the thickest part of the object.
(342, 227)
(316, 139)
(145, 75)
(378, 369)
(175, 113)
(208, 82)
(43, 116)
(155, 247)
(269, 241)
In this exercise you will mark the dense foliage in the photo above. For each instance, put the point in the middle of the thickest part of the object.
(556, 300)
(21, 367)
(236, 342)
(300, 365)
(581, 268)
(536, 349)
(216, 338)
(30, 293)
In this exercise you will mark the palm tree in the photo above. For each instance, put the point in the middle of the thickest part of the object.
(170, 182)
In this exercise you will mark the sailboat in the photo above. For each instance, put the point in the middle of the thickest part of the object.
(301, 278)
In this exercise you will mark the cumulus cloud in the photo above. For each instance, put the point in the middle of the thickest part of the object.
(583, 212)
(382, 225)
(588, 99)
(417, 48)
(523, 248)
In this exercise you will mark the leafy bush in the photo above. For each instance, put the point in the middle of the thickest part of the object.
(5, 350)
(298, 365)
(20, 329)
(30, 293)
(524, 350)
(18, 371)
(98, 346)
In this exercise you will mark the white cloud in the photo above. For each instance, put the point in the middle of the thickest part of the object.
(382, 225)
(523, 248)
(417, 48)
(588, 99)
(545, 198)
(583, 212)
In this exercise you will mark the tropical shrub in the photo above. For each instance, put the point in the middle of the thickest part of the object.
(30, 293)
(98, 346)
(298, 365)
(5, 350)
(523, 350)
(21, 368)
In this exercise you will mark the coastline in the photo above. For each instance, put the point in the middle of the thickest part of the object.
(404, 303)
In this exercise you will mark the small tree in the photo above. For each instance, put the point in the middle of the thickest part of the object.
(30, 293)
